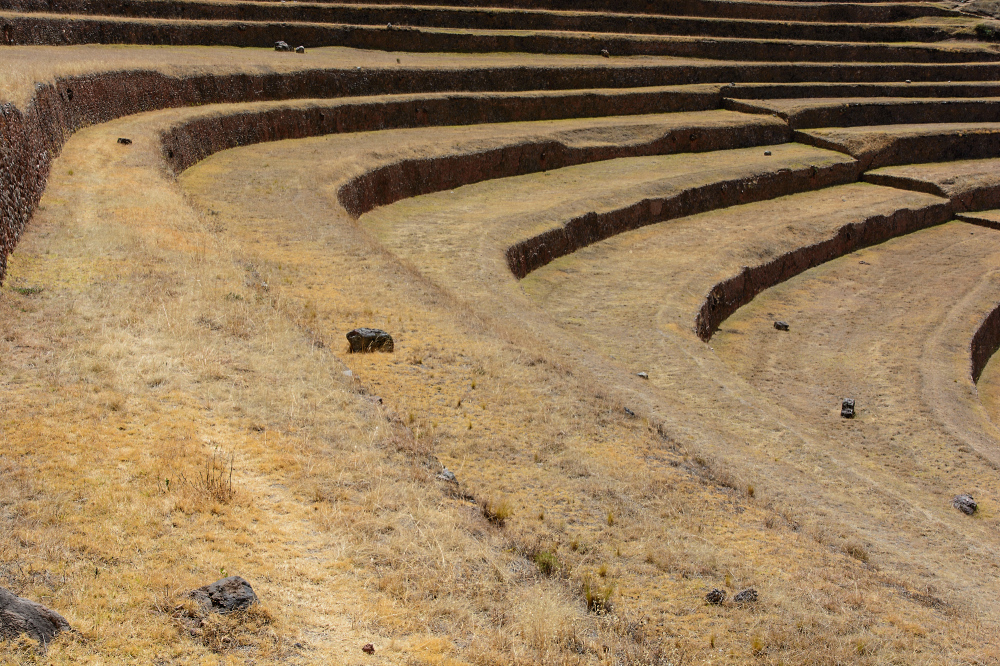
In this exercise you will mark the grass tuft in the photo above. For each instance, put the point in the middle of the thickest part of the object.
(497, 511)
(857, 550)
(547, 562)
(597, 595)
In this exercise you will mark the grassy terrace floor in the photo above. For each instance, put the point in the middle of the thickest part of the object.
(178, 404)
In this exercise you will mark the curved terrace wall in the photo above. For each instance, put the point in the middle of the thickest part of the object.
(535, 252)
(775, 11)
(728, 296)
(58, 29)
(31, 138)
(492, 18)
(985, 343)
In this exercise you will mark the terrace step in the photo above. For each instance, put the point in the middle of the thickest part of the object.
(971, 185)
(891, 326)
(861, 11)
(695, 271)
(984, 218)
(891, 145)
(475, 153)
(510, 19)
(848, 112)
(545, 216)
(220, 127)
(22, 28)
(820, 90)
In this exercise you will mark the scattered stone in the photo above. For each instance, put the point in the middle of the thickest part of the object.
(225, 596)
(300, 49)
(767, 153)
(847, 408)
(447, 475)
(908, 81)
(282, 46)
(965, 504)
(348, 373)
(368, 648)
(781, 325)
(864, 263)
(605, 53)
(375, 399)
(747, 596)
(23, 616)
(629, 412)
(369, 340)
(643, 375)
(124, 141)
(716, 597)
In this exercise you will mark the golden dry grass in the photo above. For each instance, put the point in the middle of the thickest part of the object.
(601, 494)
(150, 331)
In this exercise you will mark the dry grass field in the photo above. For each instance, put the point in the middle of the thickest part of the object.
(580, 256)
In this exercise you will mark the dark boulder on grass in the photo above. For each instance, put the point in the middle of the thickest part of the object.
(847, 408)
(716, 597)
(225, 596)
(282, 46)
(965, 504)
(365, 340)
(23, 616)
(747, 596)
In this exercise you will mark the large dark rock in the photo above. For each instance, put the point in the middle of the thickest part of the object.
(226, 595)
(780, 325)
(369, 340)
(282, 46)
(716, 597)
(847, 408)
(747, 596)
(965, 504)
(23, 616)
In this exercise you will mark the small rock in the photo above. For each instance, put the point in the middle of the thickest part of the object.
(908, 81)
(781, 325)
(767, 153)
(629, 412)
(388, 26)
(847, 408)
(124, 141)
(225, 596)
(447, 475)
(605, 53)
(368, 648)
(23, 616)
(716, 597)
(300, 49)
(864, 263)
(747, 596)
(281, 46)
(643, 375)
(369, 340)
(965, 504)
(375, 399)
